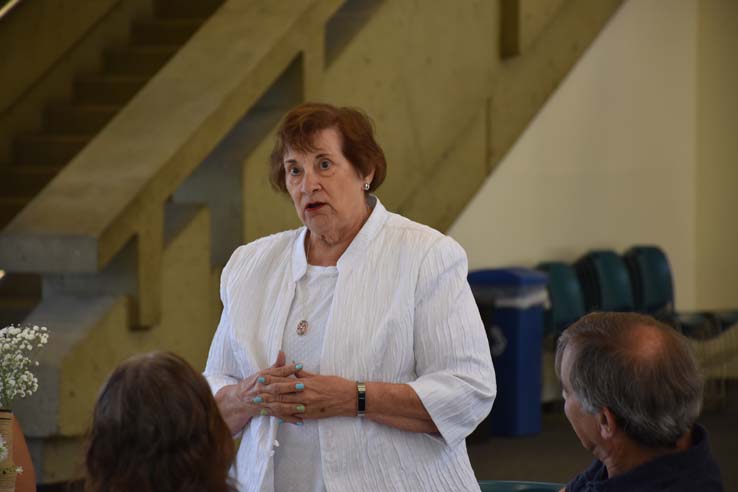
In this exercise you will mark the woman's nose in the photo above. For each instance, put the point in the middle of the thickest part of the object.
(310, 181)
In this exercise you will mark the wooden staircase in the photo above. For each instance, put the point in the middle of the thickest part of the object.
(70, 125)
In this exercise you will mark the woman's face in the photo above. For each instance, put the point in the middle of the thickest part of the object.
(326, 188)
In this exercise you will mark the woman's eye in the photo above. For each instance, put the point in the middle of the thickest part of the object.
(325, 164)
(293, 171)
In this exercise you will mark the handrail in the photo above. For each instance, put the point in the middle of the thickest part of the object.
(114, 190)
(9, 5)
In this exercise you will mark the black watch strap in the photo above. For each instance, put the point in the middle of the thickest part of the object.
(361, 392)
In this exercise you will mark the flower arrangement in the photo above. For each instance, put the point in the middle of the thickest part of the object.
(16, 381)
(16, 344)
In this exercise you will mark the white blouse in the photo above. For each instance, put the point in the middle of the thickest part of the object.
(402, 312)
(297, 462)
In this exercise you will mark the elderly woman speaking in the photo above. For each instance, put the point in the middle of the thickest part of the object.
(391, 366)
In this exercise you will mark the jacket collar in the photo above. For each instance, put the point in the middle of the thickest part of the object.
(356, 250)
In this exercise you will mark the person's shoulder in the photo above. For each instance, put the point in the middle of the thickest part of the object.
(263, 249)
(594, 473)
(698, 463)
(420, 237)
(400, 225)
(270, 243)
(426, 241)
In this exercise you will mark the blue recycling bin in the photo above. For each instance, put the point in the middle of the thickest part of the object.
(511, 302)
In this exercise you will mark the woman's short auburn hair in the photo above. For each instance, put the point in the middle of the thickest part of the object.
(298, 130)
(156, 427)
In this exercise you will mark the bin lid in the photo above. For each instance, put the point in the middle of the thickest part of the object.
(508, 277)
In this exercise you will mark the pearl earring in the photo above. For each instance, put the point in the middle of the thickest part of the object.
(366, 186)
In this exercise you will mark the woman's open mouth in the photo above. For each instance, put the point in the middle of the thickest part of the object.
(314, 206)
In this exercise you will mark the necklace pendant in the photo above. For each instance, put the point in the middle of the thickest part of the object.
(302, 327)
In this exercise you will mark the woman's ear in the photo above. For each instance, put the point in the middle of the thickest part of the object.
(369, 177)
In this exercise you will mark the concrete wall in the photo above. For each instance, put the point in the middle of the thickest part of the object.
(717, 155)
(421, 73)
(610, 160)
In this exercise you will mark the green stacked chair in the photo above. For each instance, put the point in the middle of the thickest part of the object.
(653, 290)
(605, 281)
(511, 486)
(565, 297)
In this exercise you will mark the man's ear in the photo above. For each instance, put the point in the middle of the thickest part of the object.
(607, 423)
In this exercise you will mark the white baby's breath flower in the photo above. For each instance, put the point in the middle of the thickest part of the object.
(16, 345)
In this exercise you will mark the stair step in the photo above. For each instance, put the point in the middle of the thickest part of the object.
(45, 149)
(177, 9)
(25, 180)
(166, 32)
(10, 205)
(19, 295)
(27, 285)
(138, 60)
(15, 313)
(105, 90)
(14, 310)
(78, 119)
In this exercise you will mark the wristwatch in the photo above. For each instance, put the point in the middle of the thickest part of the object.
(361, 392)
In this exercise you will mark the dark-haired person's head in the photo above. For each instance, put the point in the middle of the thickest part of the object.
(633, 393)
(156, 427)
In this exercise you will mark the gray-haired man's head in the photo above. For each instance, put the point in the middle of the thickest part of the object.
(640, 369)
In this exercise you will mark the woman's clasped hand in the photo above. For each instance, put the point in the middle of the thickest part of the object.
(291, 394)
(264, 393)
(311, 396)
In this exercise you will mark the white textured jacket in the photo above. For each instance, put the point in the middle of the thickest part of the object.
(402, 312)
